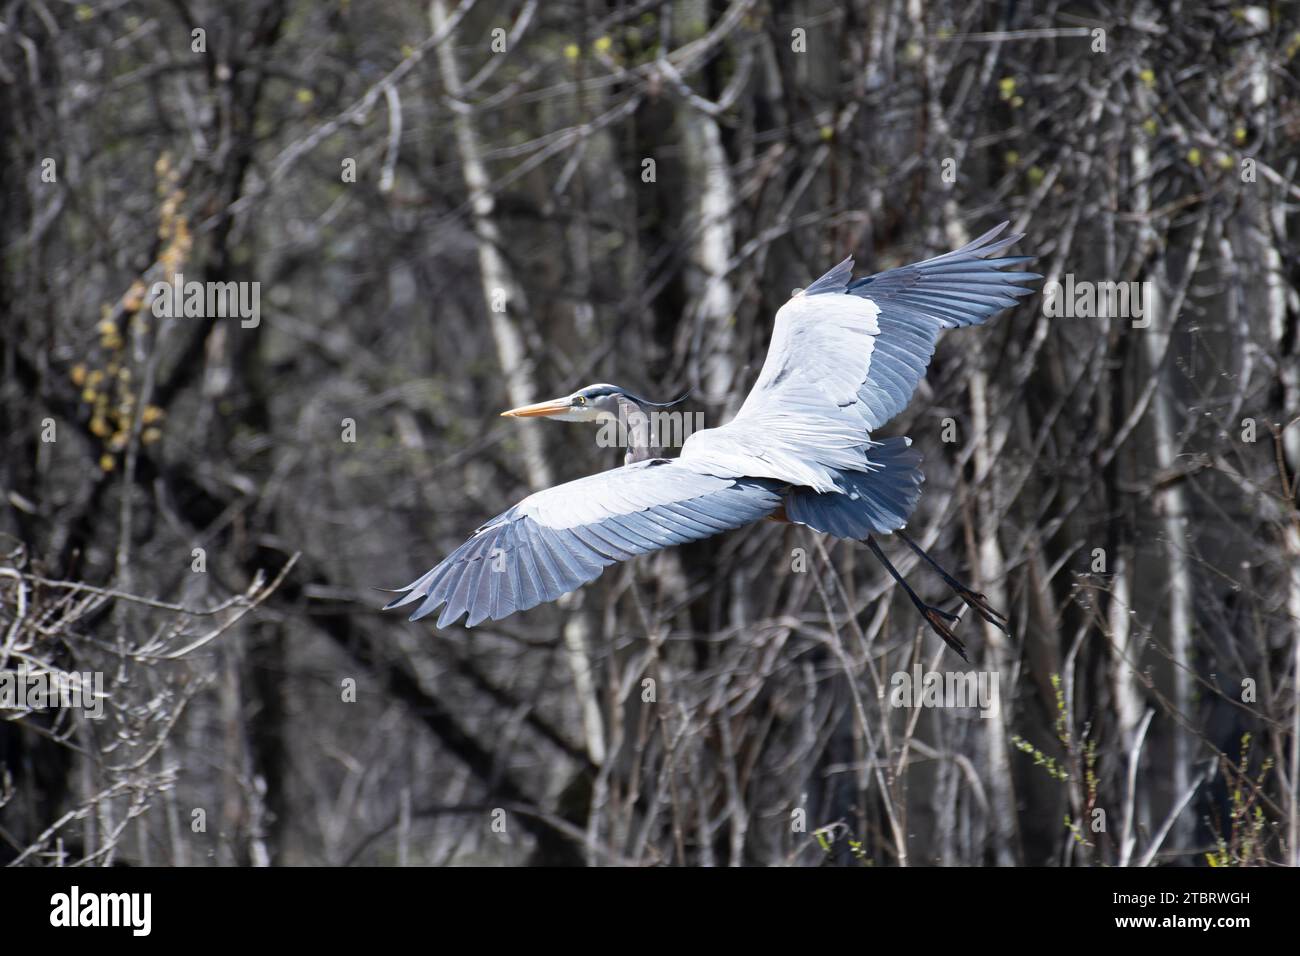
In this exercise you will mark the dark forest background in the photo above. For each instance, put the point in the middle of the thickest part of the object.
(182, 510)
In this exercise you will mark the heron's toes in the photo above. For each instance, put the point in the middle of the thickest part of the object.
(935, 618)
(985, 610)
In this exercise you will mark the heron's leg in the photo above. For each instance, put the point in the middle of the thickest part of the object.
(973, 598)
(933, 616)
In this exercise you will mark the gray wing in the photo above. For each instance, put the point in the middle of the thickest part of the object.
(846, 357)
(963, 287)
(559, 539)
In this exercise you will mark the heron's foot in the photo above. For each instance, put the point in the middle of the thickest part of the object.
(939, 622)
(982, 607)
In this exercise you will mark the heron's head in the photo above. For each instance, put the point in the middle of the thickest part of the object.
(590, 404)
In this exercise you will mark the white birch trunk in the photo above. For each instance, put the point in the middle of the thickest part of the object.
(509, 344)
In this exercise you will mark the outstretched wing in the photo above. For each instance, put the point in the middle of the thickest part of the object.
(559, 539)
(963, 287)
(846, 357)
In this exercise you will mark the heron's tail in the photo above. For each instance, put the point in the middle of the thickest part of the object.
(876, 501)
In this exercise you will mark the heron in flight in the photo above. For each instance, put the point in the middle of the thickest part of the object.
(845, 357)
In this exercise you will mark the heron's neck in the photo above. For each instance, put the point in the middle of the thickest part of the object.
(636, 420)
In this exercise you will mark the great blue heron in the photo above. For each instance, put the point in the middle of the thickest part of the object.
(844, 359)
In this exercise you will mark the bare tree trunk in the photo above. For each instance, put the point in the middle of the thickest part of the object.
(712, 198)
(498, 282)
(991, 568)
(1265, 229)
(1170, 500)
(992, 573)
(1124, 653)
(990, 565)
(1266, 236)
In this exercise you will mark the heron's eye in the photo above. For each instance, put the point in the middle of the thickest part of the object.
(580, 400)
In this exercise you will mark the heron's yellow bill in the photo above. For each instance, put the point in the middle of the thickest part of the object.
(554, 407)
